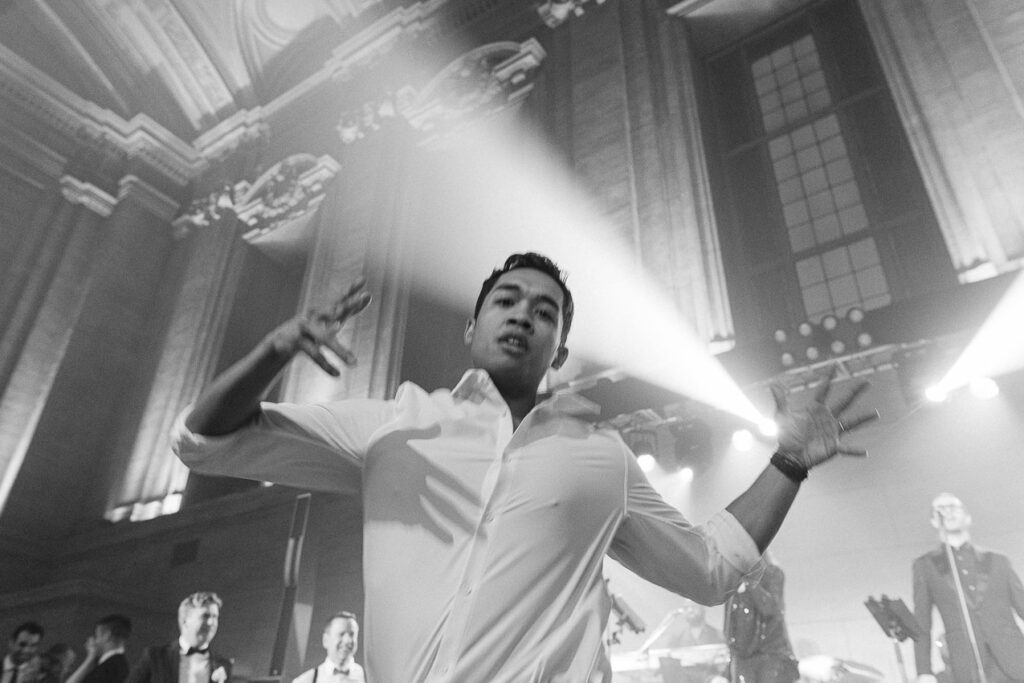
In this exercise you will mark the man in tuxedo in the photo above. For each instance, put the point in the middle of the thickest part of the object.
(992, 591)
(189, 658)
(104, 652)
(340, 640)
(21, 663)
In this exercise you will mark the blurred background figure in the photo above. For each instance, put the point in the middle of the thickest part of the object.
(105, 661)
(340, 640)
(21, 663)
(984, 585)
(755, 630)
(56, 664)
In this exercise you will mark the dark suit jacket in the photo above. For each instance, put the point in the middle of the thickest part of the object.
(113, 670)
(998, 594)
(159, 664)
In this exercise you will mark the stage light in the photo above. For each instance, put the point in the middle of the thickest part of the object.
(647, 462)
(936, 393)
(837, 347)
(642, 443)
(984, 387)
(864, 340)
(768, 428)
(805, 329)
(686, 475)
(812, 353)
(829, 322)
(787, 360)
(742, 440)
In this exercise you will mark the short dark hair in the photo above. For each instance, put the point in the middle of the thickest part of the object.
(344, 614)
(31, 627)
(118, 625)
(535, 261)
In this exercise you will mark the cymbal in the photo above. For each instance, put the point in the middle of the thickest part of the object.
(834, 670)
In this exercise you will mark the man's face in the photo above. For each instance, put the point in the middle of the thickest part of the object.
(949, 514)
(23, 646)
(693, 613)
(517, 335)
(341, 640)
(199, 625)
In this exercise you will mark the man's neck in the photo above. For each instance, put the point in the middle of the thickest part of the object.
(343, 664)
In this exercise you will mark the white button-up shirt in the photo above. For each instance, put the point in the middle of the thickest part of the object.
(483, 547)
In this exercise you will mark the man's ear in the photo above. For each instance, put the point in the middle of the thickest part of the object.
(467, 336)
(560, 356)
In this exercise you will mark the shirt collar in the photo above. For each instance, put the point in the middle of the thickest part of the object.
(330, 666)
(477, 383)
(9, 663)
(184, 646)
(110, 653)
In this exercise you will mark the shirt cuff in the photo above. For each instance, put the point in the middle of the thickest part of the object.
(735, 544)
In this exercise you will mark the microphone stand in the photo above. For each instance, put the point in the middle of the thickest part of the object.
(962, 599)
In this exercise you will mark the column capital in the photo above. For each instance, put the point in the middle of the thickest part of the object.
(152, 199)
(88, 195)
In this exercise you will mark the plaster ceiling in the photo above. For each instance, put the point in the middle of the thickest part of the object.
(187, 64)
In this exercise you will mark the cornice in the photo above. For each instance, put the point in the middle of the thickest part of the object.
(15, 144)
(88, 195)
(369, 45)
(152, 199)
(45, 100)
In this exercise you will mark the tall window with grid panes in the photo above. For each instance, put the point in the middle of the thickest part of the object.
(819, 202)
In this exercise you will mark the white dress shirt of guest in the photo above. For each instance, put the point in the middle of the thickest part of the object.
(340, 640)
(198, 626)
(21, 663)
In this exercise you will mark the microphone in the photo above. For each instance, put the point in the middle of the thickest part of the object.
(626, 615)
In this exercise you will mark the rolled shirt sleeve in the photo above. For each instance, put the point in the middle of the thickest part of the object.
(319, 447)
(703, 562)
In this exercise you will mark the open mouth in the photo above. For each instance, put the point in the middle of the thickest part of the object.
(514, 343)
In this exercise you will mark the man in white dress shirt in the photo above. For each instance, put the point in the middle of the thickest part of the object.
(340, 640)
(487, 511)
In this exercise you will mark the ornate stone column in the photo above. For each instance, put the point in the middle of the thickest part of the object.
(153, 478)
(42, 324)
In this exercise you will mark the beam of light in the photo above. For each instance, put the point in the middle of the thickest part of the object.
(768, 427)
(647, 462)
(685, 475)
(997, 347)
(984, 387)
(493, 190)
(742, 440)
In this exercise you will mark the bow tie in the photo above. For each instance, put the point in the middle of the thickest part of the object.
(340, 672)
(197, 651)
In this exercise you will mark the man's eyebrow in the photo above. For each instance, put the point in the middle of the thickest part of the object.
(519, 290)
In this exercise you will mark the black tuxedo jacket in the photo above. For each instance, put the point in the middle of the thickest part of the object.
(113, 670)
(998, 594)
(160, 663)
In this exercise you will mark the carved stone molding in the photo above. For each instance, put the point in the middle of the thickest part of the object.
(41, 98)
(483, 81)
(88, 195)
(556, 12)
(152, 199)
(291, 188)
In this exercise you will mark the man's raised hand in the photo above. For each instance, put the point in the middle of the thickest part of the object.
(811, 435)
(318, 328)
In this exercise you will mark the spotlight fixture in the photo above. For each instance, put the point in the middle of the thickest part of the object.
(647, 462)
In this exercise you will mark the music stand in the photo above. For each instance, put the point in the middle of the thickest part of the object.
(897, 622)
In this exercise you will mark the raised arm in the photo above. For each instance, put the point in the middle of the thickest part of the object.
(233, 398)
(807, 437)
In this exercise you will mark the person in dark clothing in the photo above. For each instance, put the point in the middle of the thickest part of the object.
(755, 631)
(105, 661)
